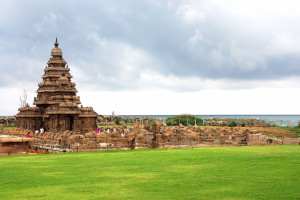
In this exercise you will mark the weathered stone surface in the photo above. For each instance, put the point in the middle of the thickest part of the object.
(13, 146)
(90, 135)
(56, 103)
(155, 137)
(291, 141)
(136, 128)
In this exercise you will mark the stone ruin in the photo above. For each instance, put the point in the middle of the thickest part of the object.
(145, 137)
(57, 105)
(70, 127)
(10, 146)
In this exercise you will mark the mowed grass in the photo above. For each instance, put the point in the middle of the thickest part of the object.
(9, 127)
(264, 172)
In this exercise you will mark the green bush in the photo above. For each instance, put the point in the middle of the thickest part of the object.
(117, 121)
(185, 120)
(232, 123)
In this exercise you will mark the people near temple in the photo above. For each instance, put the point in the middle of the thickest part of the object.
(108, 131)
(114, 130)
(37, 131)
(101, 129)
(28, 135)
(42, 130)
(125, 129)
(97, 130)
(123, 133)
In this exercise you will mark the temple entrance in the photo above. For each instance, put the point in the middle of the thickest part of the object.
(69, 123)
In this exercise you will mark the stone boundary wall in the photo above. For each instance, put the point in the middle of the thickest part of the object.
(144, 137)
(10, 146)
(111, 120)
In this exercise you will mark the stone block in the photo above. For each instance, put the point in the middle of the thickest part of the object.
(4, 154)
(6, 148)
(20, 148)
(291, 141)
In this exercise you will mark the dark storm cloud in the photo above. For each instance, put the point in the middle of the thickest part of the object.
(114, 42)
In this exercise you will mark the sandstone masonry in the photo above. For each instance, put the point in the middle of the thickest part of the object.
(57, 105)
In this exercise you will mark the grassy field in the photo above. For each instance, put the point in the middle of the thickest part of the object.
(296, 129)
(265, 172)
(9, 127)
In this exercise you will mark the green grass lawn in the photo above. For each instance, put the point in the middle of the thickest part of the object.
(9, 127)
(296, 129)
(264, 172)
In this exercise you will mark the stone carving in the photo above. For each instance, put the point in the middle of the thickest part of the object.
(57, 105)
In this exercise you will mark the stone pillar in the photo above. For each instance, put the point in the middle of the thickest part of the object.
(137, 129)
(156, 131)
(157, 128)
(75, 124)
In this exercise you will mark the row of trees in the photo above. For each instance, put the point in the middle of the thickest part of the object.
(187, 119)
(184, 119)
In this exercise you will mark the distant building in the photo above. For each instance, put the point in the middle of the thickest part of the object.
(57, 105)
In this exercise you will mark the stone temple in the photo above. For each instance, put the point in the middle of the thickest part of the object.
(57, 105)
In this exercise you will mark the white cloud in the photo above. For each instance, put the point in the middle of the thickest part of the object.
(123, 60)
(154, 80)
(257, 8)
(284, 43)
(196, 37)
(124, 55)
(20, 71)
(192, 13)
(253, 101)
(10, 100)
(268, 100)
(46, 21)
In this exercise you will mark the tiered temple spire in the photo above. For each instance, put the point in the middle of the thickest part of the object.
(56, 102)
(56, 43)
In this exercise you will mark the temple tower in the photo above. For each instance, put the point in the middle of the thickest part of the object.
(57, 105)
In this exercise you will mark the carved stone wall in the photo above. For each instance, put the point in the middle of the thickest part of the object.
(57, 105)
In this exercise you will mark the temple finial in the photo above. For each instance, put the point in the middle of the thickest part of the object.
(56, 43)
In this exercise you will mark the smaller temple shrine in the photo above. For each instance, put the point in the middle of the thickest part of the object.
(57, 105)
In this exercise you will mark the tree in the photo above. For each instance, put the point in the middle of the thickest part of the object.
(23, 99)
(184, 119)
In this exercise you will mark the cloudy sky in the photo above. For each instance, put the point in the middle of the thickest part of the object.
(158, 56)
